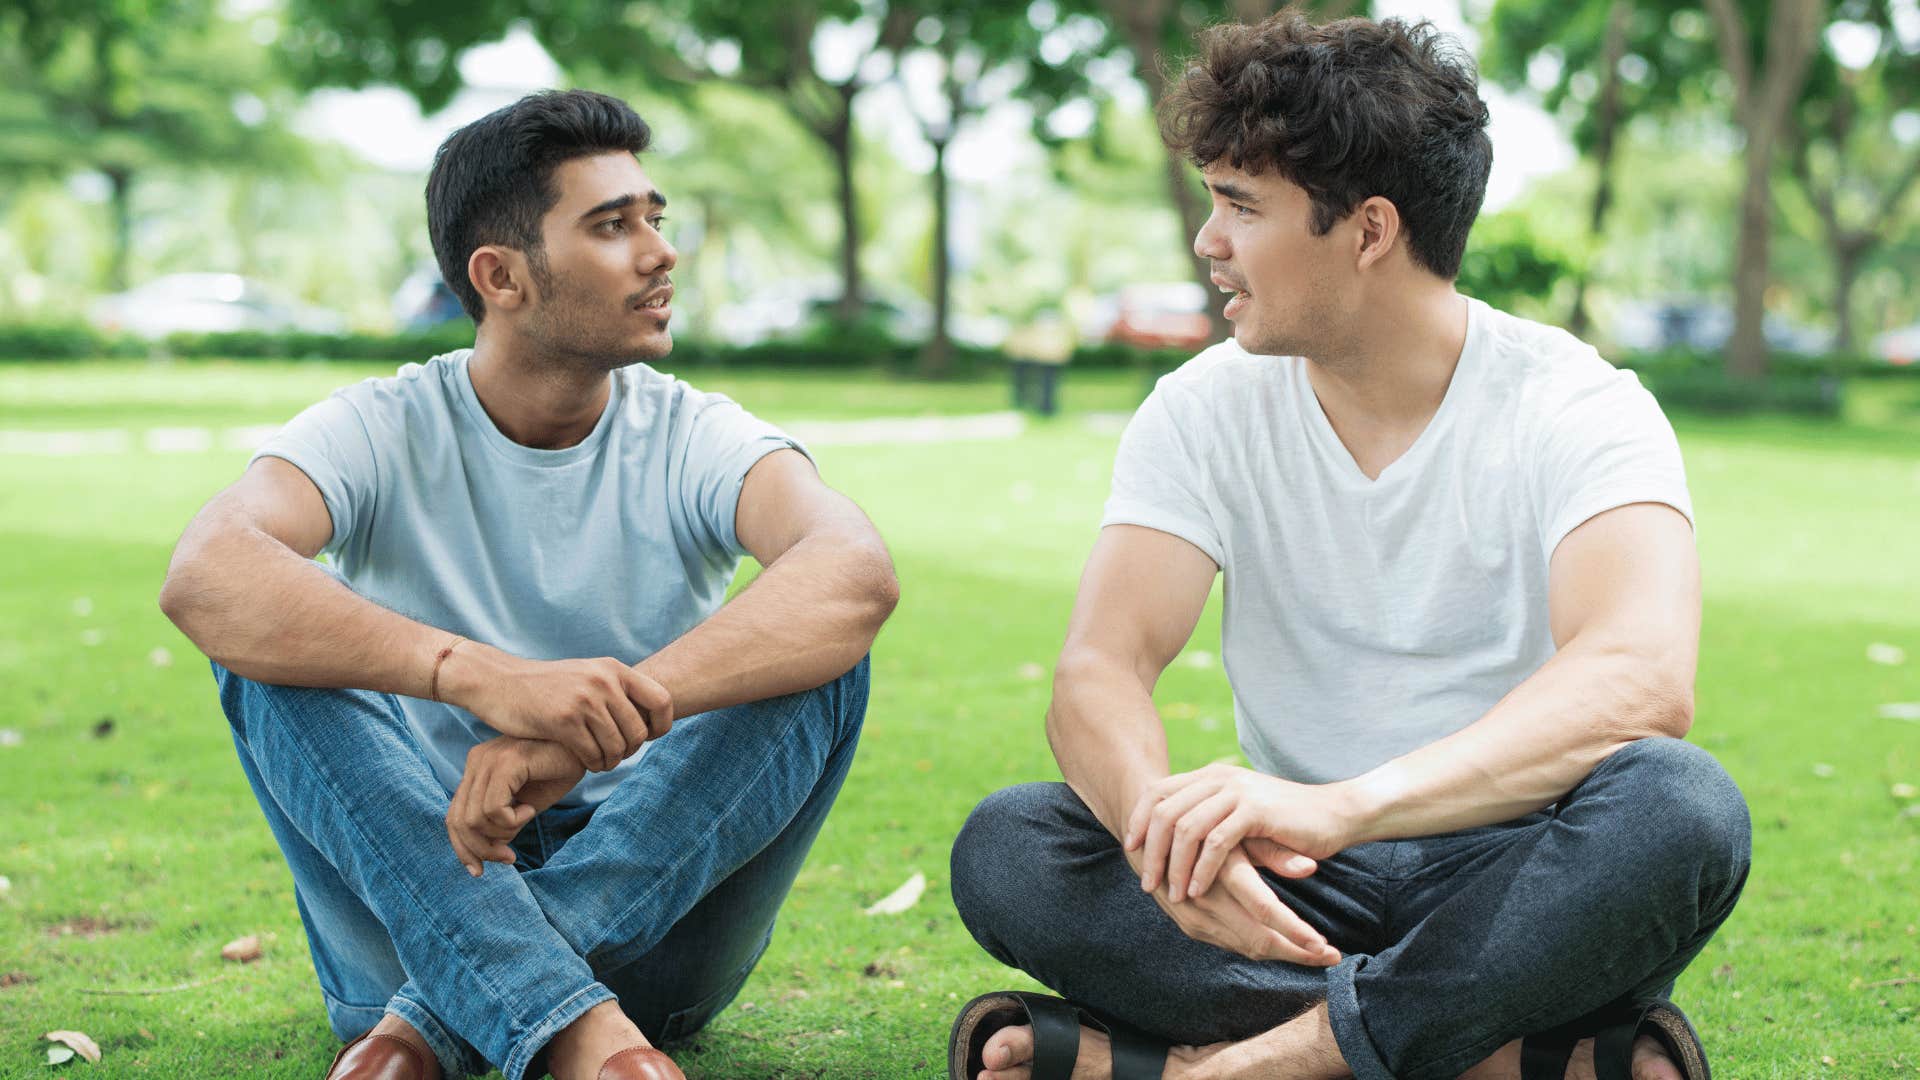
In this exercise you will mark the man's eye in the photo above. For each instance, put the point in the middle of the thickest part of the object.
(1242, 211)
(657, 222)
(613, 225)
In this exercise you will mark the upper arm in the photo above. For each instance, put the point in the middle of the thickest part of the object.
(274, 496)
(1628, 580)
(1140, 597)
(783, 501)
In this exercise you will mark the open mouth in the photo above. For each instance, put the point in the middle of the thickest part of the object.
(1237, 298)
(658, 304)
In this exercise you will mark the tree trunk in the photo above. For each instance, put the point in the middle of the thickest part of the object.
(936, 357)
(839, 139)
(1848, 254)
(1746, 354)
(120, 179)
(1142, 24)
(1605, 126)
(1764, 98)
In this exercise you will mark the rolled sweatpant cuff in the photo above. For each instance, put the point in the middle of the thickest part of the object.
(1349, 1030)
(521, 1057)
(456, 1059)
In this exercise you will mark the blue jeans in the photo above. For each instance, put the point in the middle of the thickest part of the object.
(1452, 946)
(662, 897)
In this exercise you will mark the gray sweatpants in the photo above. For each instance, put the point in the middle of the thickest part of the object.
(1451, 945)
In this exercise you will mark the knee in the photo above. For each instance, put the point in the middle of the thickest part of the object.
(996, 841)
(1686, 808)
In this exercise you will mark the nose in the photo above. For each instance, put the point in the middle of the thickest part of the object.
(1209, 243)
(655, 255)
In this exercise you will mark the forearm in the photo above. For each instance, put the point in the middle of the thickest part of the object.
(1527, 752)
(803, 622)
(1106, 735)
(264, 612)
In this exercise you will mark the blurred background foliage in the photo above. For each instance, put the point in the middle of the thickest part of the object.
(1736, 178)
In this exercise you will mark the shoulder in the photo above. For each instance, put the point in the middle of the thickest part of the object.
(1218, 376)
(414, 388)
(1554, 375)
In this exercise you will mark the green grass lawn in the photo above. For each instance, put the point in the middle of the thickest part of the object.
(134, 849)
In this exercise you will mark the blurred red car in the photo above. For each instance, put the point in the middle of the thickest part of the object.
(1161, 315)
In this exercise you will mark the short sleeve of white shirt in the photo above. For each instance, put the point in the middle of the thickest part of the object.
(1604, 444)
(1160, 475)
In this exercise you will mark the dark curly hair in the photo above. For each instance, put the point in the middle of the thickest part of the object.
(492, 181)
(1348, 110)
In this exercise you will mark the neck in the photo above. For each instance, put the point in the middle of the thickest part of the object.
(1396, 366)
(535, 400)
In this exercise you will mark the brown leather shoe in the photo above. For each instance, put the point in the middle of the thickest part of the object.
(641, 1063)
(377, 1057)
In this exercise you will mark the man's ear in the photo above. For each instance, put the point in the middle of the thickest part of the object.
(1379, 228)
(501, 276)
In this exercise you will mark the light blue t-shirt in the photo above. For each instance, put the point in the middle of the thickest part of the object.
(613, 547)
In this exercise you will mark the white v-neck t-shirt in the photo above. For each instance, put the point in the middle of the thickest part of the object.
(1367, 618)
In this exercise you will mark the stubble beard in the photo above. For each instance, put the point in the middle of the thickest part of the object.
(576, 330)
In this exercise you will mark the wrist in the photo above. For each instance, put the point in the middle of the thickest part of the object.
(1361, 804)
(469, 669)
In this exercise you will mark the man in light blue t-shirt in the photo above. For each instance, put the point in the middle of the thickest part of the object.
(521, 655)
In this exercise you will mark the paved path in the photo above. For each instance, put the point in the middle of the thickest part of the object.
(875, 431)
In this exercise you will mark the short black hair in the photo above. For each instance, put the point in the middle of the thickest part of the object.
(1346, 110)
(492, 180)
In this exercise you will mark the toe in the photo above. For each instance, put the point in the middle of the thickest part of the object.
(1007, 1048)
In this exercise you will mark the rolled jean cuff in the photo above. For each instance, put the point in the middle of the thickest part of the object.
(520, 1059)
(1349, 1030)
(456, 1059)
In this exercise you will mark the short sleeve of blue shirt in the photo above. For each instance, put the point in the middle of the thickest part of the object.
(329, 442)
(722, 443)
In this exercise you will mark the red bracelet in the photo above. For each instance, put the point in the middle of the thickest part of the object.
(433, 687)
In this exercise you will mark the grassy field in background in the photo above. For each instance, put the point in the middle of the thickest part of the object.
(134, 849)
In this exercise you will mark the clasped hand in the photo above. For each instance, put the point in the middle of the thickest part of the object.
(559, 719)
(1196, 839)
(602, 710)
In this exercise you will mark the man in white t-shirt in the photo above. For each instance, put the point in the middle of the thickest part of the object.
(1461, 621)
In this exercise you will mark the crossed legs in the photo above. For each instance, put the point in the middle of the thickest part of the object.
(1454, 946)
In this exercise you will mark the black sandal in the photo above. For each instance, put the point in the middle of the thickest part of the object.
(1056, 1025)
(1544, 1056)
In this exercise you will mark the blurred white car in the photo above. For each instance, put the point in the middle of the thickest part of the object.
(1898, 347)
(208, 303)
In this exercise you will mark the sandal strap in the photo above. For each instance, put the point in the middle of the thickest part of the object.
(1544, 1055)
(1136, 1056)
(1056, 1036)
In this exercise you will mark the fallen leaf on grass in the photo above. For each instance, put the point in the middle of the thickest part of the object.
(1882, 653)
(1031, 671)
(242, 950)
(79, 1042)
(901, 898)
(1900, 710)
(6, 885)
(1822, 770)
(1905, 791)
(160, 657)
(59, 1055)
(9, 737)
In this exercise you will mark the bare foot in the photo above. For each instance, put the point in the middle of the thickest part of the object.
(1650, 1062)
(1008, 1055)
(581, 1047)
(392, 1025)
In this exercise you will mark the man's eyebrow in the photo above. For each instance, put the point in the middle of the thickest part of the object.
(621, 202)
(1233, 192)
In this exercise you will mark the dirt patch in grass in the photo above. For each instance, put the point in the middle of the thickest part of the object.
(85, 926)
(13, 978)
